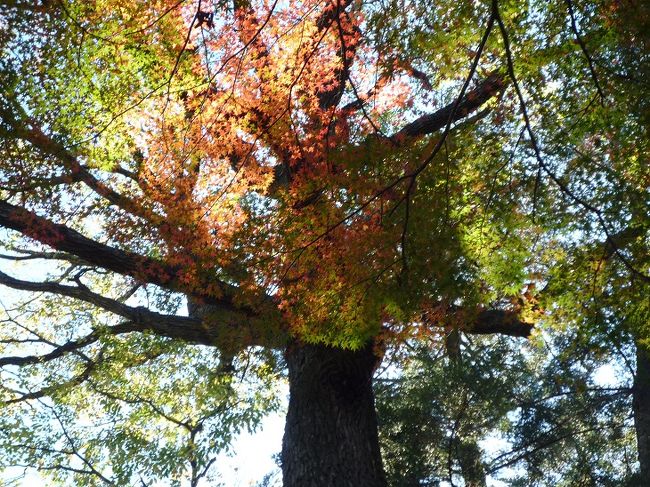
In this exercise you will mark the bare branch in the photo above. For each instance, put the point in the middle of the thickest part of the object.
(459, 109)
(496, 321)
(141, 319)
(68, 347)
(583, 46)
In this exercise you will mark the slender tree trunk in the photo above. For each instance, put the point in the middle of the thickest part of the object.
(641, 405)
(330, 437)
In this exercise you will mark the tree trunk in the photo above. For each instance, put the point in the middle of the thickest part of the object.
(641, 405)
(471, 464)
(330, 437)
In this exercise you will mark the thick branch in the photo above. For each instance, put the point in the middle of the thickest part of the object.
(77, 172)
(331, 14)
(430, 123)
(70, 346)
(491, 321)
(221, 325)
(68, 240)
(140, 318)
(481, 321)
(142, 268)
(227, 317)
(425, 125)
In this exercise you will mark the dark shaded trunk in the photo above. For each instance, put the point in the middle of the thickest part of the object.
(330, 437)
(471, 464)
(641, 405)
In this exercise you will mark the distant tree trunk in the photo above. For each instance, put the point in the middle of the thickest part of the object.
(641, 405)
(330, 437)
(471, 464)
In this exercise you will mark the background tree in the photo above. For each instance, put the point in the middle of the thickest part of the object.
(321, 179)
(529, 414)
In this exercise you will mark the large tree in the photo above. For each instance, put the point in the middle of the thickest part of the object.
(318, 178)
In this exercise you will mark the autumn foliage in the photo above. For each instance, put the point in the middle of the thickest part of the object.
(321, 173)
(258, 147)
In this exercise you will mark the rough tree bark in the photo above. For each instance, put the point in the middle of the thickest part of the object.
(641, 407)
(330, 437)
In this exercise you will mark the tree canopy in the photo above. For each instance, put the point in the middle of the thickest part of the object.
(197, 196)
